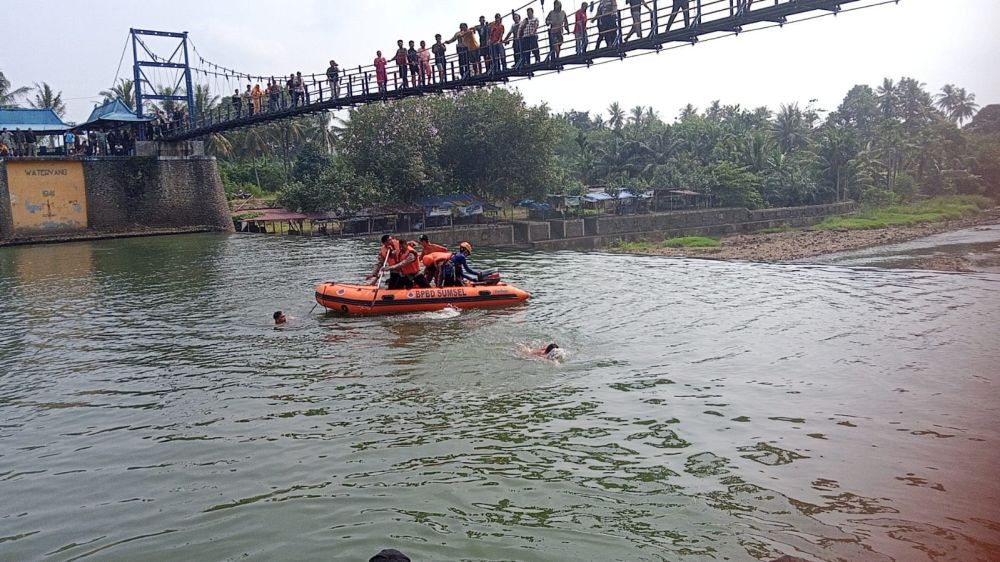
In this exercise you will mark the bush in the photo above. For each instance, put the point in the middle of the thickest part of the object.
(948, 207)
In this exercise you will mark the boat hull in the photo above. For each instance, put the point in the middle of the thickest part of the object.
(363, 300)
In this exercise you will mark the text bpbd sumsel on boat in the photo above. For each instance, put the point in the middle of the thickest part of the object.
(437, 294)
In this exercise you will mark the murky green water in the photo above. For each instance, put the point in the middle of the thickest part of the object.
(707, 411)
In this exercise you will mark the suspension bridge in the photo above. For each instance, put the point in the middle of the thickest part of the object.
(661, 25)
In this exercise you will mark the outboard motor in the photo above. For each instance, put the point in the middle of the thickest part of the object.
(489, 276)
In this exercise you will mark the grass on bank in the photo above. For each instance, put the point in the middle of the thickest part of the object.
(682, 242)
(932, 210)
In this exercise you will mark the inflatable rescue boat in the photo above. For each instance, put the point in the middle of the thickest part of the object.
(367, 299)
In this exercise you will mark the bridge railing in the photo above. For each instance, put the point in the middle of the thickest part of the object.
(605, 36)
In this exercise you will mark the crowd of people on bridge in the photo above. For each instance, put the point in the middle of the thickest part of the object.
(480, 49)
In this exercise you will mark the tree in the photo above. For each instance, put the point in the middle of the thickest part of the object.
(735, 186)
(474, 154)
(397, 143)
(204, 100)
(790, 128)
(957, 104)
(47, 98)
(337, 189)
(123, 90)
(8, 97)
(837, 148)
(616, 116)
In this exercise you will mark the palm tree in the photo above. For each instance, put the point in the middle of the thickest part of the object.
(790, 128)
(756, 150)
(652, 116)
(204, 100)
(168, 106)
(888, 98)
(9, 97)
(124, 90)
(47, 98)
(957, 104)
(218, 144)
(617, 116)
(688, 112)
(637, 115)
(837, 149)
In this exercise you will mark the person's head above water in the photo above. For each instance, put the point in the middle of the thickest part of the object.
(551, 347)
(279, 318)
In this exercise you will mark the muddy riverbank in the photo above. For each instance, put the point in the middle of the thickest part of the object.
(802, 244)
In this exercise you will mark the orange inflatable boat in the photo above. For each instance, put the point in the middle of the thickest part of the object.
(362, 299)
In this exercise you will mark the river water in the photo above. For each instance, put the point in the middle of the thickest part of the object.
(704, 411)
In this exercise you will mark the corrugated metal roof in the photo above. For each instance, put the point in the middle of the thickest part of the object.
(111, 113)
(38, 120)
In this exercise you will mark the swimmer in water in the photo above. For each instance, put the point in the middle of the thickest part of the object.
(280, 319)
(545, 352)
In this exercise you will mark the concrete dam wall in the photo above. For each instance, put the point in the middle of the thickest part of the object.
(56, 200)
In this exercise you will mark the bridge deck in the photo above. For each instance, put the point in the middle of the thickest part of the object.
(704, 17)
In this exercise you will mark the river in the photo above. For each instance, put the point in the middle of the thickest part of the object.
(705, 410)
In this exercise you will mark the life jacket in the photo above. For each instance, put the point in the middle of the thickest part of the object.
(395, 256)
(436, 258)
(413, 267)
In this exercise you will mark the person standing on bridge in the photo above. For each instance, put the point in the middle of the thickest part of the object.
(273, 95)
(424, 55)
(636, 6)
(258, 98)
(248, 100)
(237, 102)
(607, 23)
(515, 33)
(440, 58)
(333, 77)
(557, 22)
(462, 48)
(529, 38)
(300, 85)
(497, 54)
(381, 76)
(401, 64)
(484, 41)
(681, 6)
(413, 62)
(580, 29)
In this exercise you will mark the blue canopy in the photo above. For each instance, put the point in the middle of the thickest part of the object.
(44, 121)
(112, 114)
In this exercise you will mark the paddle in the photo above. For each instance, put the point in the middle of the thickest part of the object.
(378, 282)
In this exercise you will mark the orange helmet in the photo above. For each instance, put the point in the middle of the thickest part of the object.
(465, 246)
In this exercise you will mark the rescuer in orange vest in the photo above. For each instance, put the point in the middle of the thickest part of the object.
(408, 267)
(432, 266)
(388, 256)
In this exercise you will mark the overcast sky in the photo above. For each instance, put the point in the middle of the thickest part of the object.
(76, 47)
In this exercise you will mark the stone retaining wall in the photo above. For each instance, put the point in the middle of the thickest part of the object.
(6, 221)
(712, 222)
(142, 193)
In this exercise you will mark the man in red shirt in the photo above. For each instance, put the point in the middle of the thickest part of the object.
(580, 30)
(498, 56)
